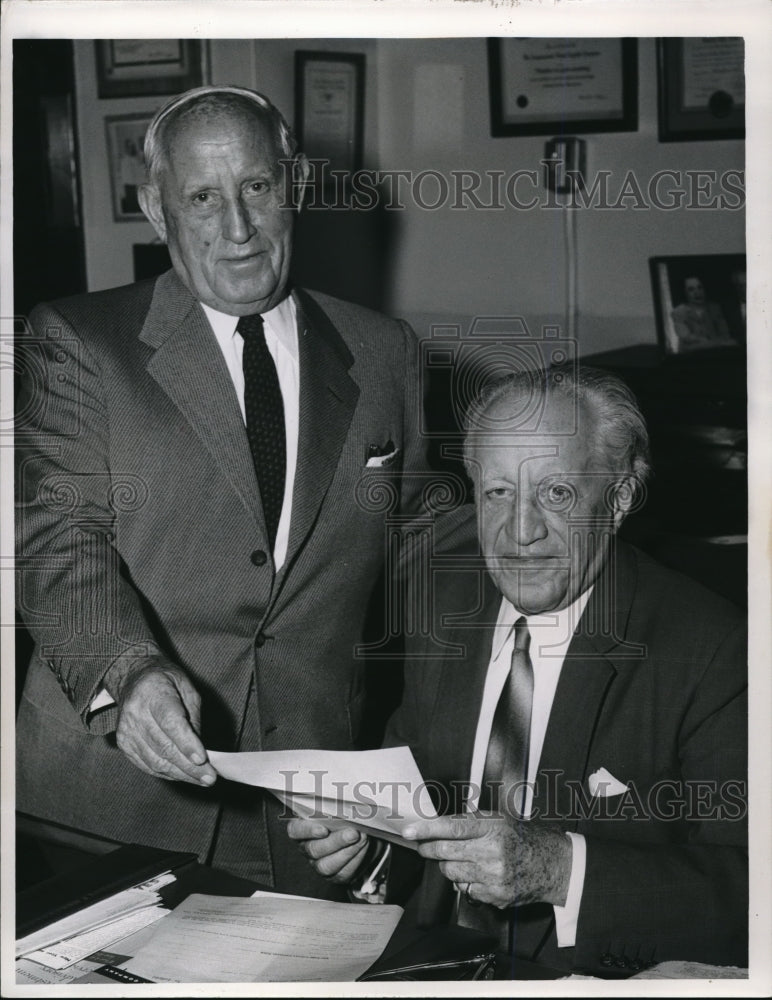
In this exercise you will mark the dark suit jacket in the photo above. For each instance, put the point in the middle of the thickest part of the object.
(138, 515)
(653, 690)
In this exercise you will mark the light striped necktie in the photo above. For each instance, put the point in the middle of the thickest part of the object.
(506, 763)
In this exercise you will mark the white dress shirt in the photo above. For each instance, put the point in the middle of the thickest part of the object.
(281, 337)
(551, 635)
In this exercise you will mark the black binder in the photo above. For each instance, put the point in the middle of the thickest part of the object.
(97, 879)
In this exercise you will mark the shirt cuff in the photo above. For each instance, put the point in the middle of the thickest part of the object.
(373, 887)
(567, 916)
(103, 698)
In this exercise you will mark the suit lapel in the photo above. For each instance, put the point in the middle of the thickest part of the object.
(328, 396)
(584, 682)
(189, 367)
(585, 679)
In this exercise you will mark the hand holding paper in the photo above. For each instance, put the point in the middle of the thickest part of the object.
(335, 854)
(375, 791)
(158, 721)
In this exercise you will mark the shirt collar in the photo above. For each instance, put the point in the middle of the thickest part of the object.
(281, 321)
(556, 628)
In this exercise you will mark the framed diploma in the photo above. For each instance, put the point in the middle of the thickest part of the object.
(546, 86)
(329, 107)
(701, 88)
(140, 67)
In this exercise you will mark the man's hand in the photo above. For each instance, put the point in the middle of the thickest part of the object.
(504, 862)
(159, 715)
(335, 854)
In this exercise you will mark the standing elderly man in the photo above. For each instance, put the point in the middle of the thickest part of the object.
(581, 707)
(196, 558)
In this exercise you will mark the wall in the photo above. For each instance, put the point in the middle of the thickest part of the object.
(265, 65)
(427, 108)
(108, 243)
(464, 263)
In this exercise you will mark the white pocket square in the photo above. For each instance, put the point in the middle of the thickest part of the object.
(378, 461)
(603, 784)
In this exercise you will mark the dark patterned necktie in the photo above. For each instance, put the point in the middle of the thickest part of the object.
(506, 771)
(265, 419)
(506, 763)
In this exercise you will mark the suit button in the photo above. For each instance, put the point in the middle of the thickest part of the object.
(259, 558)
(259, 640)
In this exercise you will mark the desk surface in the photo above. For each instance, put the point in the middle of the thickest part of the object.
(408, 944)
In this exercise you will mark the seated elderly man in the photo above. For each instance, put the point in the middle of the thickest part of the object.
(581, 707)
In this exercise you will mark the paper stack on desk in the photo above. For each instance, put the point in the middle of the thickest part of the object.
(66, 942)
(378, 791)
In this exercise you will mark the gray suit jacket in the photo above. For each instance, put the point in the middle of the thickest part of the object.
(138, 515)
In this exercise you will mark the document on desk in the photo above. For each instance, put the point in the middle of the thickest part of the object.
(29, 973)
(69, 952)
(270, 939)
(100, 914)
(378, 791)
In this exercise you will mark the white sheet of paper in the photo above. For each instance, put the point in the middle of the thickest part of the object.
(380, 790)
(691, 970)
(29, 973)
(225, 939)
(102, 912)
(336, 814)
(121, 951)
(66, 953)
(265, 894)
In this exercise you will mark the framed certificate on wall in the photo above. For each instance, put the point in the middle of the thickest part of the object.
(547, 86)
(701, 89)
(140, 67)
(329, 107)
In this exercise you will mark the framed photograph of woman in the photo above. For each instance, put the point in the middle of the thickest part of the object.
(699, 301)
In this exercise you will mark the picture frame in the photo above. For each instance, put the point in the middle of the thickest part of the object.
(561, 86)
(125, 136)
(329, 108)
(700, 88)
(699, 301)
(143, 67)
(61, 188)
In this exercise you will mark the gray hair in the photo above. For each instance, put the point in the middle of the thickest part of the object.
(623, 435)
(203, 102)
